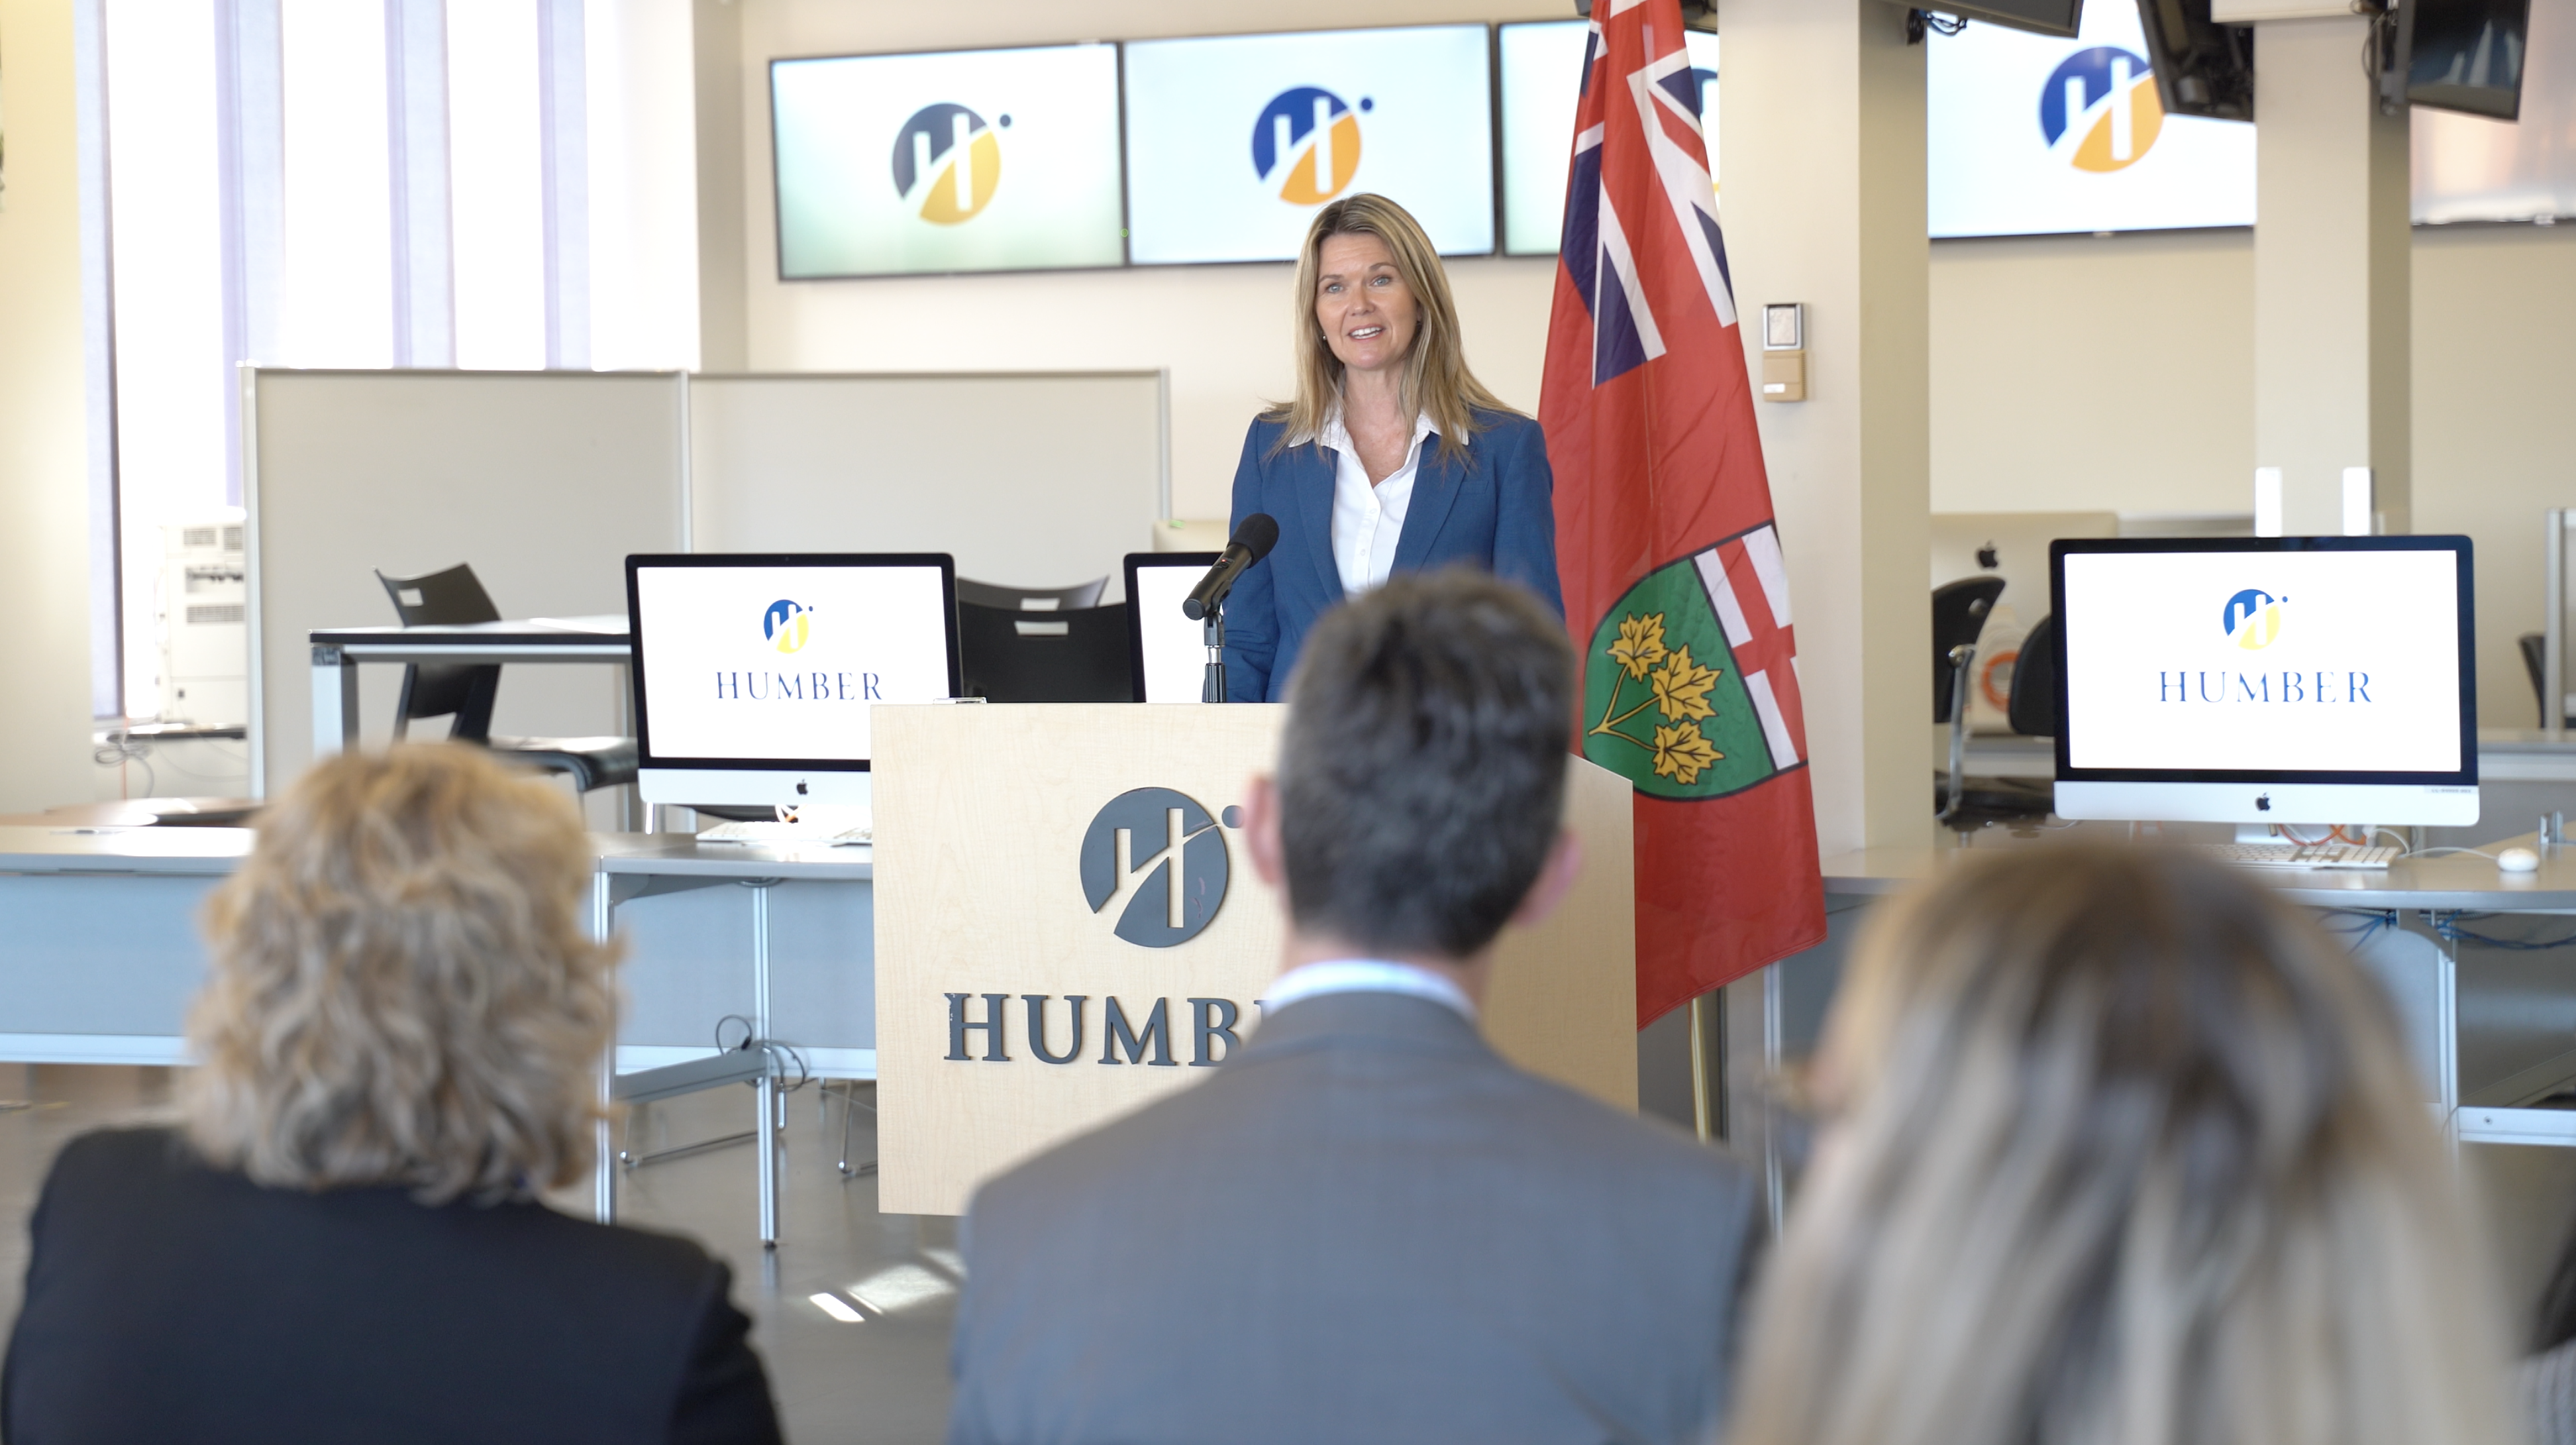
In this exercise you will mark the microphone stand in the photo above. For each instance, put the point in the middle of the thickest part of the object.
(1212, 630)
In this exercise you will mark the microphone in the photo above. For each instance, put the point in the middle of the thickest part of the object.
(1252, 542)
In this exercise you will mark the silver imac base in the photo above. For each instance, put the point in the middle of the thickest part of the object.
(755, 787)
(2301, 804)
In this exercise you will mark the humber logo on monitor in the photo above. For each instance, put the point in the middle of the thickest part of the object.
(947, 162)
(2100, 109)
(2252, 619)
(785, 624)
(1307, 143)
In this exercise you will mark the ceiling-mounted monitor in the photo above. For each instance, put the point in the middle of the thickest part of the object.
(2202, 67)
(2047, 17)
(1235, 141)
(2464, 55)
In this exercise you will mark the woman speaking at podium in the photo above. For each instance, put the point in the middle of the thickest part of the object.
(1392, 457)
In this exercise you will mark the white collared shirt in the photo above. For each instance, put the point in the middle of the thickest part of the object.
(1368, 520)
(1366, 975)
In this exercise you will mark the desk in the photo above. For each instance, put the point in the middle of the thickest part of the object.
(2493, 1029)
(102, 958)
(337, 652)
(2505, 755)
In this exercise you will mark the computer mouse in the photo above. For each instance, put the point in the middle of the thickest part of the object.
(2518, 860)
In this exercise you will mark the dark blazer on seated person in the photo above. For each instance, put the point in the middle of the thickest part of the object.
(1364, 1226)
(1494, 508)
(170, 1302)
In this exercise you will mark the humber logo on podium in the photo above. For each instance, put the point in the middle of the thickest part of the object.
(2100, 106)
(1173, 835)
(1307, 143)
(947, 162)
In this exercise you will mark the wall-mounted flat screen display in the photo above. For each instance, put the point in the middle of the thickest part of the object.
(974, 160)
(2031, 135)
(1541, 63)
(1234, 141)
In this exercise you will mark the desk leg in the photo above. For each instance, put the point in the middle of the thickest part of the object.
(603, 1186)
(335, 702)
(766, 1135)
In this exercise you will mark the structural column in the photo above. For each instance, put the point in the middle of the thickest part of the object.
(1821, 191)
(2332, 252)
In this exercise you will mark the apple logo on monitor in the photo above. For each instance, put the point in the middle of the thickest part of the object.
(2263, 802)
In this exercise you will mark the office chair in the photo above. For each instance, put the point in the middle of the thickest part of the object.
(466, 691)
(2535, 660)
(2032, 712)
(1032, 599)
(1958, 615)
(1040, 656)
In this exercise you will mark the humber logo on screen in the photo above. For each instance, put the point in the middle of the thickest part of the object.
(1307, 143)
(786, 625)
(2252, 619)
(948, 162)
(2101, 109)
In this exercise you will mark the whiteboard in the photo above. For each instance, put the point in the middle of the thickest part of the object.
(1035, 479)
(544, 481)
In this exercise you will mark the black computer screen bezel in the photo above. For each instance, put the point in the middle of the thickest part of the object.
(2463, 558)
(1136, 608)
(645, 757)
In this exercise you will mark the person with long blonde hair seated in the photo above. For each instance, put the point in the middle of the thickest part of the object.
(398, 1045)
(2119, 1150)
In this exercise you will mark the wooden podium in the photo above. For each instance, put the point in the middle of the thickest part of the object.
(999, 828)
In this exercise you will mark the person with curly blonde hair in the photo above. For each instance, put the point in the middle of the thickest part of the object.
(2120, 1149)
(397, 1048)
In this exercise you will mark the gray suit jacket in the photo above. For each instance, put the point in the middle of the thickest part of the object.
(1365, 1226)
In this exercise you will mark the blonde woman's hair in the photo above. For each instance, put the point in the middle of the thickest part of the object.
(2125, 1151)
(1436, 380)
(401, 991)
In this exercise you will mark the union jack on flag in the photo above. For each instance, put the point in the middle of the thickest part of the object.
(1676, 594)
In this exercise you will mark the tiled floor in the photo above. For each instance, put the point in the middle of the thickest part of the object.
(884, 1379)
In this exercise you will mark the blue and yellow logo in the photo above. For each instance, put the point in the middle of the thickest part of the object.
(2100, 106)
(2252, 619)
(784, 624)
(947, 162)
(1307, 143)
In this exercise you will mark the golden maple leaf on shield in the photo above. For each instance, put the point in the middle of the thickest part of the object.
(1682, 754)
(1640, 645)
(1681, 689)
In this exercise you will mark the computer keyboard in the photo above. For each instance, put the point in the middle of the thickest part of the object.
(2298, 855)
(808, 835)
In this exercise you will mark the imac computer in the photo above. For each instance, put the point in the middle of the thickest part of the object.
(1169, 649)
(2282, 680)
(753, 675)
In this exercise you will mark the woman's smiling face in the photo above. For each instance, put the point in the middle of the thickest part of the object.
(1362, 306)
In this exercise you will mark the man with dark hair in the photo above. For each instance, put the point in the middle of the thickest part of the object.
(1367, 1225)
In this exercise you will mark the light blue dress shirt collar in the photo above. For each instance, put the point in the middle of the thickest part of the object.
(1367, 975)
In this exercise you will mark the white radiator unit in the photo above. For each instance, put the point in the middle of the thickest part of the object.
(204, 624)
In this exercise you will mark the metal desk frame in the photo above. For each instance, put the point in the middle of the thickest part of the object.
(638, 866)
(338, 651)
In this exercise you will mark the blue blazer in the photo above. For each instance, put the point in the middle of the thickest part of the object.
(1495, 508)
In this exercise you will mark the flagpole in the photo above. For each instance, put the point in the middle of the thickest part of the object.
(1705, 1102)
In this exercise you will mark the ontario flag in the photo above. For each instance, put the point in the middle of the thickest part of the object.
(1675, 594)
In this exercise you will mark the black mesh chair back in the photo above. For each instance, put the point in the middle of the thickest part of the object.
(1033, 599)
(1013, 656)
(2033, 713)
(1958, 614)
(462, 690)
(2535, 660)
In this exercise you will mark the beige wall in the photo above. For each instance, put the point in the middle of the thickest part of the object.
(44, 509)
(1221, 330)
(2117, 374)
(2084, 373)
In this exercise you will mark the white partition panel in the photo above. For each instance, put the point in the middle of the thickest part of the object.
(544, 481)
(1028, 479)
